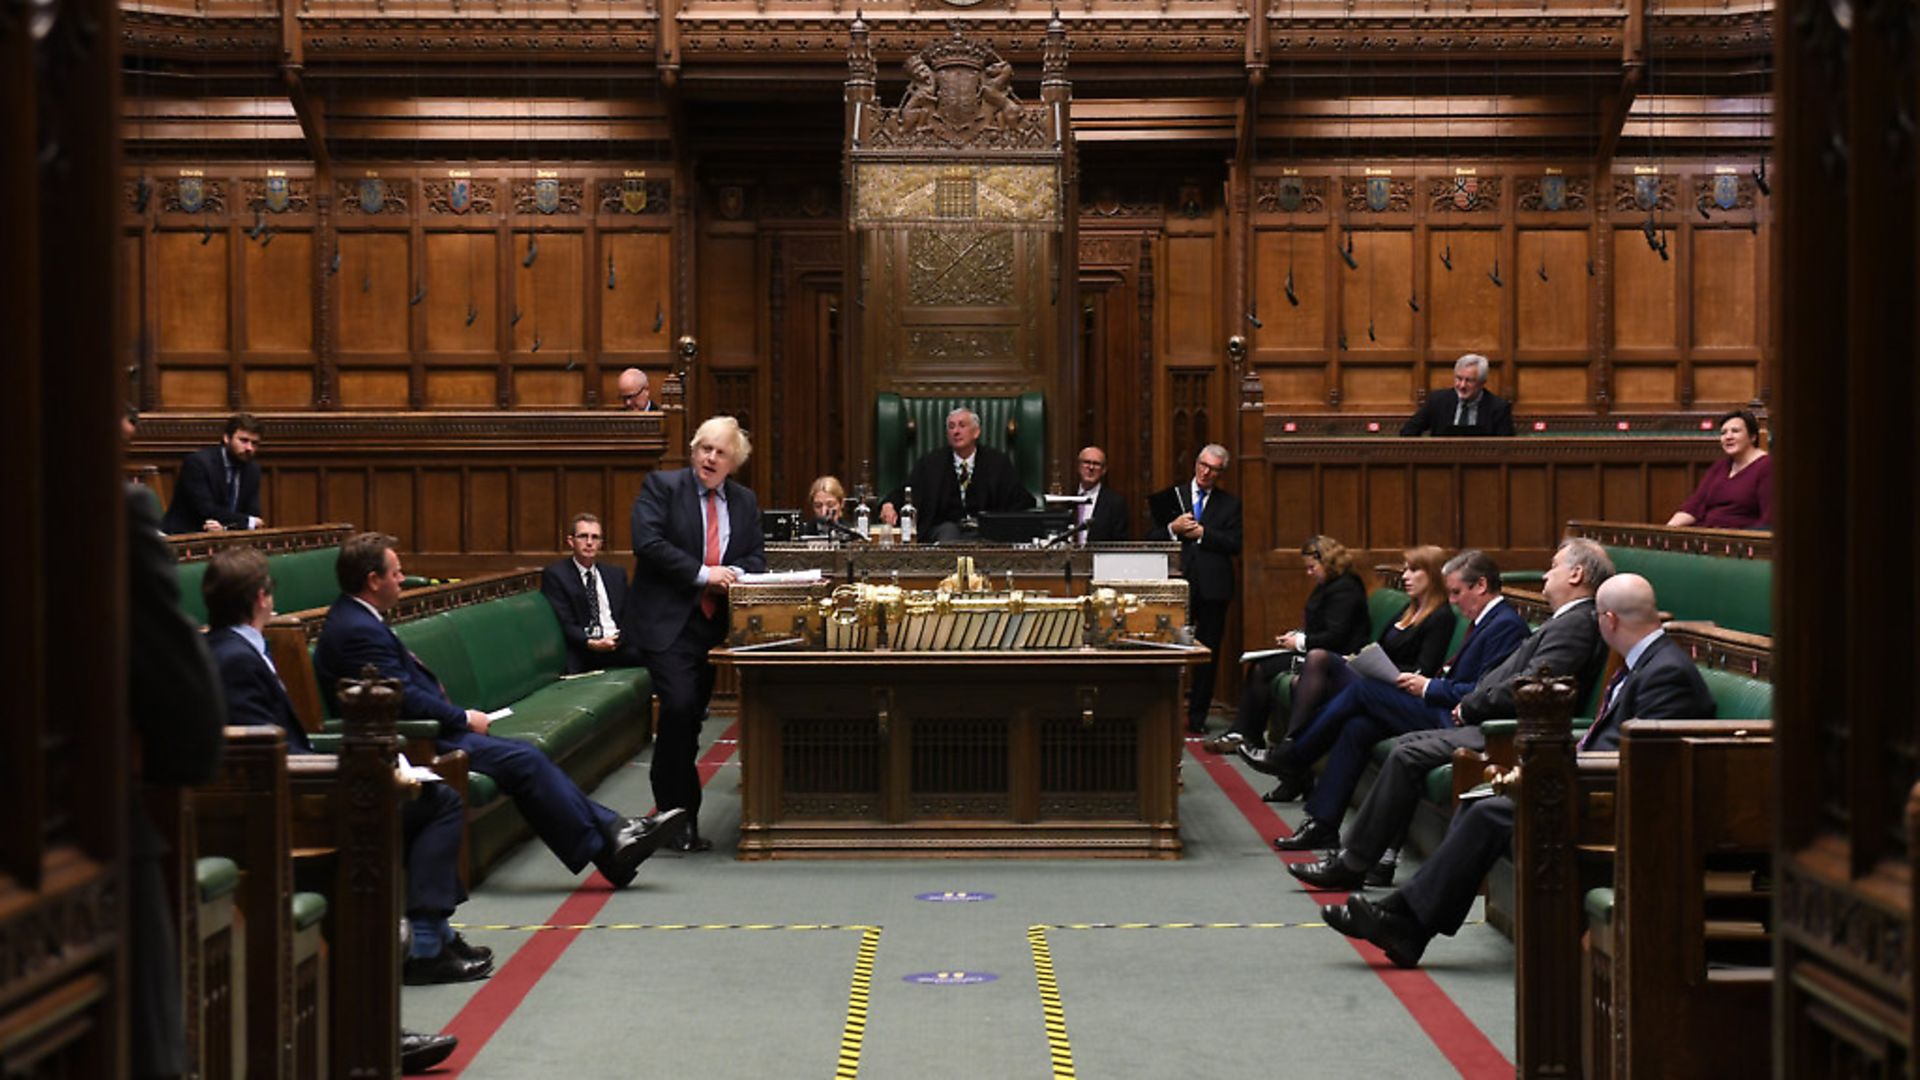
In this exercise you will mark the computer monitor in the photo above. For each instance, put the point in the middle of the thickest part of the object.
(1023, 526)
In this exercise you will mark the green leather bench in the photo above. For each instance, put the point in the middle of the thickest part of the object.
(1735, 593)
(905, 429)
(301, 579)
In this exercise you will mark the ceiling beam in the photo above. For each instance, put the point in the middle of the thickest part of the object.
(1633, 72)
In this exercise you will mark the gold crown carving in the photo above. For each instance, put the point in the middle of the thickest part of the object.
(957, 51)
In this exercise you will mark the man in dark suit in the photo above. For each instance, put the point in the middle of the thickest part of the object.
(1658, 681)
(219, 487)
(1568, 644)
(953, 485)
(636, 395)
(590, 599)
(1206, 521)
(575, 828)
(175, 704)
(239, 594)
(695, 531)
(1106, 518)
(1467, 409)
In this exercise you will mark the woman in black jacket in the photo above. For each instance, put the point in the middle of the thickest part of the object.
(1336, 621)
(1415, 641)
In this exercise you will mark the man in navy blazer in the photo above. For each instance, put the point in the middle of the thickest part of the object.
(589, 598)
(1657, 681)
(219, 487)
(239, 594)
(1467, 409)
(695, 531)
(1107, 517)
(575, 828)
(1206, 521)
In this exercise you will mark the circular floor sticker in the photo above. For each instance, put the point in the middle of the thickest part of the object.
(953, 897)
(949, 978)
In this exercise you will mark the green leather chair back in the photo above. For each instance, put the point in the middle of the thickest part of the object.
(905, 429)
(1738, 697)
(301, 580)
(1735, 593)
(1383, 606)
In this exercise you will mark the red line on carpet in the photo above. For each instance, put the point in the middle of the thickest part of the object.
(1458, 1038)
(489, 1009)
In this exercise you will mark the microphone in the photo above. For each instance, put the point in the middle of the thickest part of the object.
(835, 529)
(1066, 534)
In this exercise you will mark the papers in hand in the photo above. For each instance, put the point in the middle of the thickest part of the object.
(782, 577)
(414, 774)
(499, 714)
(1067, 500)
(1254, 656)
(1478, 792)
(1372, 662)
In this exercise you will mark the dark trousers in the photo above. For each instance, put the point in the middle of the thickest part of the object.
(574, 827)
(1442, 893)
(1209, 626)
(432, 825)
(1256, 697)
(1383, 817)
(683, 680)
(1352, 722)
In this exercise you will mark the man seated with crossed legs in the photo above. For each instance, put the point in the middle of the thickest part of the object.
(1658, 681)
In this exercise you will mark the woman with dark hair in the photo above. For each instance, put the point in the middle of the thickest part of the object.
(1336, 619)
(1415, 641)
(1736, 493)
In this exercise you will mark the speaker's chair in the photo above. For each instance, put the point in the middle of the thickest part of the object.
(906, 428)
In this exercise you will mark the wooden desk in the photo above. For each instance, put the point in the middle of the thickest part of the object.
(921, 566)
(1070, 753)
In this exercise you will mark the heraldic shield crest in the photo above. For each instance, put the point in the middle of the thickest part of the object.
(460, 195)
(633, 196)
(1646, 192)
(546, 195)
(1466, 192)
(1553, 192)
(1726, 191)
(1379, 191)
(193, 194)
(278, 194)
(1291, 191)
(373, 195)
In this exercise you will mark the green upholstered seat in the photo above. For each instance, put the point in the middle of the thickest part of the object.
(1739, 697)
(215, 876)
(308, 909)
(1735, 593)
(481, 790)
(301, 580)
(905, 429)
(1383, 606)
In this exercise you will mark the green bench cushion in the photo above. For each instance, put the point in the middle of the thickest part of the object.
(215, 876)
(1735, 593)
(308, 909)
(301, 580)
(481, 789)
(513, 647)
(1739, 697)
(1383, 606)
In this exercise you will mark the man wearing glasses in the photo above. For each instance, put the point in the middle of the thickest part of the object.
(636, 395)
(590, 599)
(1206, 521)
(1106, 517)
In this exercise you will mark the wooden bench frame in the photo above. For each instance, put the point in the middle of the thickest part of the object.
(200, 546)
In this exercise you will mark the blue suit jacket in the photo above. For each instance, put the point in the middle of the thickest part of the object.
(1493, 641)
(200, 492)
(255, 694)
(354, 637)
(668, 545)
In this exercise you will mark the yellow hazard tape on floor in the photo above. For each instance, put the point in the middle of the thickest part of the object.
(1058, 1048)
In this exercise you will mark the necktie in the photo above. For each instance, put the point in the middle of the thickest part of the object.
(966, 479)
(1199, 502)
(233, 488)
(593, 602)
(709, 603)
(1606, 705)
(1471, 627)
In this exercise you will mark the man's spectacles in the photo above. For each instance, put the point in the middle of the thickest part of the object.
(633, 397)
(583, 537)
(1207, 467)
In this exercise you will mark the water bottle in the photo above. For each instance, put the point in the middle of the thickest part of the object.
(907, 515)
(863, 521)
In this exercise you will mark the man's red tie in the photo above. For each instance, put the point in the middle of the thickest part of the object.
(709, 601)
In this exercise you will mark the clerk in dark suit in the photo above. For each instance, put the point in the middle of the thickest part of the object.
(575, 828)
(954, 484)
(239, 595)
(1467, 409)
(1206, 521)
(695, 531)
(219, 487)
(590, 599)
(1106, 518)
(1658, 681)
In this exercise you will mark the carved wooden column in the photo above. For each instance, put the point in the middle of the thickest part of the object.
(365, 983)
(1547, 903)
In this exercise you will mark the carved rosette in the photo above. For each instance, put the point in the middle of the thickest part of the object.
(439, 196)
(1464, 194)
(1626, 195)
(548, 196)
(1290, 195)
(1399, 196)
(1530, 193)
(393, 199)
(299, 196)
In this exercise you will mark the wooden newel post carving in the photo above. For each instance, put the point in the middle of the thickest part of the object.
(1546, 901)
(366, 973)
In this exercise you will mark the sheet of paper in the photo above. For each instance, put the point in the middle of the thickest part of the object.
(500, 714)
(415, 773)
(1372, 662)
(1254, 656)
(783, 577)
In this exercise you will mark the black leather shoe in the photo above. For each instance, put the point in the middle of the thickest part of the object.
(1380, 874)
(1314, 835)
(1266, 760)
(444, 968)
(466, 950)
(1338, 917)
(1328, 873)
(420, 1052)
(1196, 727)
(633, 841)
(1397, 935)
(690, 842)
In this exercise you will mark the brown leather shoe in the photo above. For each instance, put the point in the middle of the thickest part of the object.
(1224, 743)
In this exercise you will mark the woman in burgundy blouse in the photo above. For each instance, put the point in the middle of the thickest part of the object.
(1736, 493)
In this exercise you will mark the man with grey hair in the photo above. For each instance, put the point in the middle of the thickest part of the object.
(636, 394)
(695, 531)
(1568, 643)
(1206, 521)
(952, 485)
(1467, 409)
